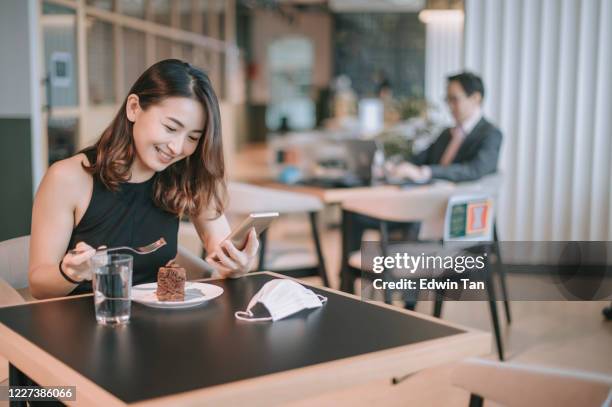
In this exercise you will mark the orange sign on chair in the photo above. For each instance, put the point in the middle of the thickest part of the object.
(477, 217)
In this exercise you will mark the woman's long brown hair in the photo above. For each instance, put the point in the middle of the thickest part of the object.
(189, 186)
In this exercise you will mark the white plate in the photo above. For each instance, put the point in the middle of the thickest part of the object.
(195, 294)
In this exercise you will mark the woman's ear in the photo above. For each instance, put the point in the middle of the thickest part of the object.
(132, 107)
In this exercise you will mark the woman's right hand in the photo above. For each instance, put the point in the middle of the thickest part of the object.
(76, 264)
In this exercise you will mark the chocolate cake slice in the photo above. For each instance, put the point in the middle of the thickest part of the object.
(171, 282)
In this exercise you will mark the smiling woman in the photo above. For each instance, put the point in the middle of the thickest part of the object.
(160, 158)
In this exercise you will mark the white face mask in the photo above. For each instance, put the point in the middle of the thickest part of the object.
(281, 297)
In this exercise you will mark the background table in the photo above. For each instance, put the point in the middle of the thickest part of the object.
(204, 353)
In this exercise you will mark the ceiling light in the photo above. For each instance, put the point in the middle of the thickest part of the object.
(428, 16)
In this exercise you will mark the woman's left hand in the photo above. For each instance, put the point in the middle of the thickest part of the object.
(228, 261)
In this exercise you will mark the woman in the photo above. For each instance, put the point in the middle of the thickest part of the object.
(161, 158)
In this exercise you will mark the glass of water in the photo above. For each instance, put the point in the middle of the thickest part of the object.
(112, 287)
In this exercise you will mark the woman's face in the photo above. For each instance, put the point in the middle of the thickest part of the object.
(166, 132)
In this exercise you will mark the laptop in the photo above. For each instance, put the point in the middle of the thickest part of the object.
(359, 157)
(360, 154)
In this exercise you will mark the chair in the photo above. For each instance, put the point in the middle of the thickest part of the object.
(445, 217)
(513, 384)
(491, 185)
(14, 260)
(488, 234)
(425, 206)
(246, 199)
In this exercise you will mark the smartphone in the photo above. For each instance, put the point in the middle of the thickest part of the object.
(259, 221)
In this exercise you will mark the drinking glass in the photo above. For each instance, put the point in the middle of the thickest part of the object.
(112, 286)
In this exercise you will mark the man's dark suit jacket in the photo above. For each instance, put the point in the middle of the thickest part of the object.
(476, 157)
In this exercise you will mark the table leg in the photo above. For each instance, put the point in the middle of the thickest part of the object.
(317, 242)
(17, 378)
(347, 281)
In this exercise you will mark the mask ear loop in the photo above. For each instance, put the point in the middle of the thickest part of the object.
(248, 316)
(323, 299)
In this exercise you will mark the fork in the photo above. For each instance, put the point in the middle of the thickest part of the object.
(150, 248)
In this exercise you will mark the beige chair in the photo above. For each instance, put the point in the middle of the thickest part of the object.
(426, 206)
(14, 260)
(245, 199)
(512, 384)
(445, 218)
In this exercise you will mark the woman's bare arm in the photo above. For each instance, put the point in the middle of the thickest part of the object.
(224, 256)
(211, 231)
(63, 189)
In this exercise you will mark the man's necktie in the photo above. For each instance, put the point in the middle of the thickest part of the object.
(457, 136)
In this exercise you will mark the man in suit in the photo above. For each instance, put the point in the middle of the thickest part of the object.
(465, 152)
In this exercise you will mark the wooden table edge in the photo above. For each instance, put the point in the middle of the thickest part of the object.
(332, 195)
(46, 370)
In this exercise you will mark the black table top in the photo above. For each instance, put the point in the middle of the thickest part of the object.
(163, 352)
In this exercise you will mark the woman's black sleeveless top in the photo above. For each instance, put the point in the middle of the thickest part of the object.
(127, 217)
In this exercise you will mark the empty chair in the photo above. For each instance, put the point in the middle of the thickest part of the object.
(14, 260)
(491, 185)
(456, 222)
(425, 206)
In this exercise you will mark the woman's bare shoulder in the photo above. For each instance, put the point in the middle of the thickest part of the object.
(69, 172)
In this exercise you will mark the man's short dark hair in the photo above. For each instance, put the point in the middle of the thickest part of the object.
(469, 82)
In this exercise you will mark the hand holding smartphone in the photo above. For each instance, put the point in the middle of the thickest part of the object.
(257, 221)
